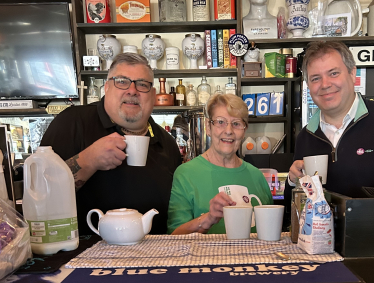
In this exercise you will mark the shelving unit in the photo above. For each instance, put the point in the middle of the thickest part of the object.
(291, 87)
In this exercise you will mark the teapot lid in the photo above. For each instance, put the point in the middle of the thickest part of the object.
(122, 211)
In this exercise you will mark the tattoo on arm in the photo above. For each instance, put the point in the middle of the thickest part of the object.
(74, 167)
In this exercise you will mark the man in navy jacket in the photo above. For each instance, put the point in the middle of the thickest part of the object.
(342, 128)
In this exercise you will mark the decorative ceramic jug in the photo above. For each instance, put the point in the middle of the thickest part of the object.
(193, 48)
(122, 226)
(153, 48)
(108, 47)
(298, 20)
(252, 54)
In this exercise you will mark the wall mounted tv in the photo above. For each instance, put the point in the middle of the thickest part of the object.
(36, 52)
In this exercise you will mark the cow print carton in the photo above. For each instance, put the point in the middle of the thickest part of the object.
(316, 234)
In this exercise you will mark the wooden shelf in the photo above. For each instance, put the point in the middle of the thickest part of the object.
(183, 73)
(302, 42)
(124, 28)
(267, 119)
(266, 81)
(24, 112)
(175, 109)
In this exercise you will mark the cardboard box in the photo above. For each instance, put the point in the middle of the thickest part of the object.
(275, 65)
(353, 221)
(133, 11)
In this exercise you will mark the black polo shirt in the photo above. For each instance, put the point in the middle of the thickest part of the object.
(141, 188)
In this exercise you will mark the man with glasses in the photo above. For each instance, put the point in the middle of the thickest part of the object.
(90, 139)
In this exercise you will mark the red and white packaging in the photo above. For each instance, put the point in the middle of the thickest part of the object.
(98, 11)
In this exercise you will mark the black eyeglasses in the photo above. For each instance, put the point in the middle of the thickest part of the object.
(222, 123)
(124, 83)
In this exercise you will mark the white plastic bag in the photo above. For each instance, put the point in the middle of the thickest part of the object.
(316, 234)
(15, 246)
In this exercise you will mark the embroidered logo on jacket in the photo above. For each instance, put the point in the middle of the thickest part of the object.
(361, 151)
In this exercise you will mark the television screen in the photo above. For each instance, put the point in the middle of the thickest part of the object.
(36, 52)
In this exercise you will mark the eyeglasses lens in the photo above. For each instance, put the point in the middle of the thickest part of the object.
(124, 83)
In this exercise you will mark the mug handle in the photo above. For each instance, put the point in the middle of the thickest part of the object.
(100, 213)
(253, 224)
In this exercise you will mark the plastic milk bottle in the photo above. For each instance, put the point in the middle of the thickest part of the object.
(263, 145)
(49, 203)
(249, 146)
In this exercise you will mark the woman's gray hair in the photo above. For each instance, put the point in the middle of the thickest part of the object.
(235, 106)
(129, 59)
(318, 49)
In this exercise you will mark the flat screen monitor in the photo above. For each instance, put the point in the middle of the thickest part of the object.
(36, 52)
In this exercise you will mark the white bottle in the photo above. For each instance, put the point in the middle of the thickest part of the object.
(263, 145)
(49, 203)
(249, 146)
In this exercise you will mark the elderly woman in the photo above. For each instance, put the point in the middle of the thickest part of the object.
(196, 205)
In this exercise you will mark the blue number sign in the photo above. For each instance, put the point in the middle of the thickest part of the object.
(250, 99)
(262, 107)
(276, 103)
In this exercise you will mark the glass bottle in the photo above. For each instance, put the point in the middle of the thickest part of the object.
(182, 144)
(189, 154)
(102, 89)
(172, 10)
(173, 93)
(203, 91)
(201, 11)
(297, 204)
(191, 96)
(230, 87)
(163, 98)
(181, 94)
(93, 92)
(218, 90)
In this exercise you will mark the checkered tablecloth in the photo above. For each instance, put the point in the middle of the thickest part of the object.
(190, 250)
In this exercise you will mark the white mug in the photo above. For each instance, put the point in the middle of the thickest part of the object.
(316, 163)
(269, 220)
(136, 150)
(237, 221)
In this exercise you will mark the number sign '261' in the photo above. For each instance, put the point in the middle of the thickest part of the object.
(264, 104)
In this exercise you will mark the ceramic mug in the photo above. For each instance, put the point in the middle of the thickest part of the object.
(237, 221)
(316, 163)
(136, 150)
(269, 220)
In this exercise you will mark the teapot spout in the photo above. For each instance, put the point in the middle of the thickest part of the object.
(147, 220)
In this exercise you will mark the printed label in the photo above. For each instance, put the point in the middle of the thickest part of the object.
(180, 96)
(132, 10)
(52, 231)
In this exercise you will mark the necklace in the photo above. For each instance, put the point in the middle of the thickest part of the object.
(142, 132)
(207, 158)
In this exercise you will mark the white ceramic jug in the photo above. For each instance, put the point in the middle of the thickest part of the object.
(193, 48)
(153, 48)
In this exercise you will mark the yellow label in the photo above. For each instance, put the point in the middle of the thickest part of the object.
(56, 109)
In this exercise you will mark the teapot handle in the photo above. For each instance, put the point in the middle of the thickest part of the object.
(100, 213)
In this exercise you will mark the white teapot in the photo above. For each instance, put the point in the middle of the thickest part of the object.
(122, 226)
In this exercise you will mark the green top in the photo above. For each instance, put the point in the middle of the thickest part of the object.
(196, 182)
